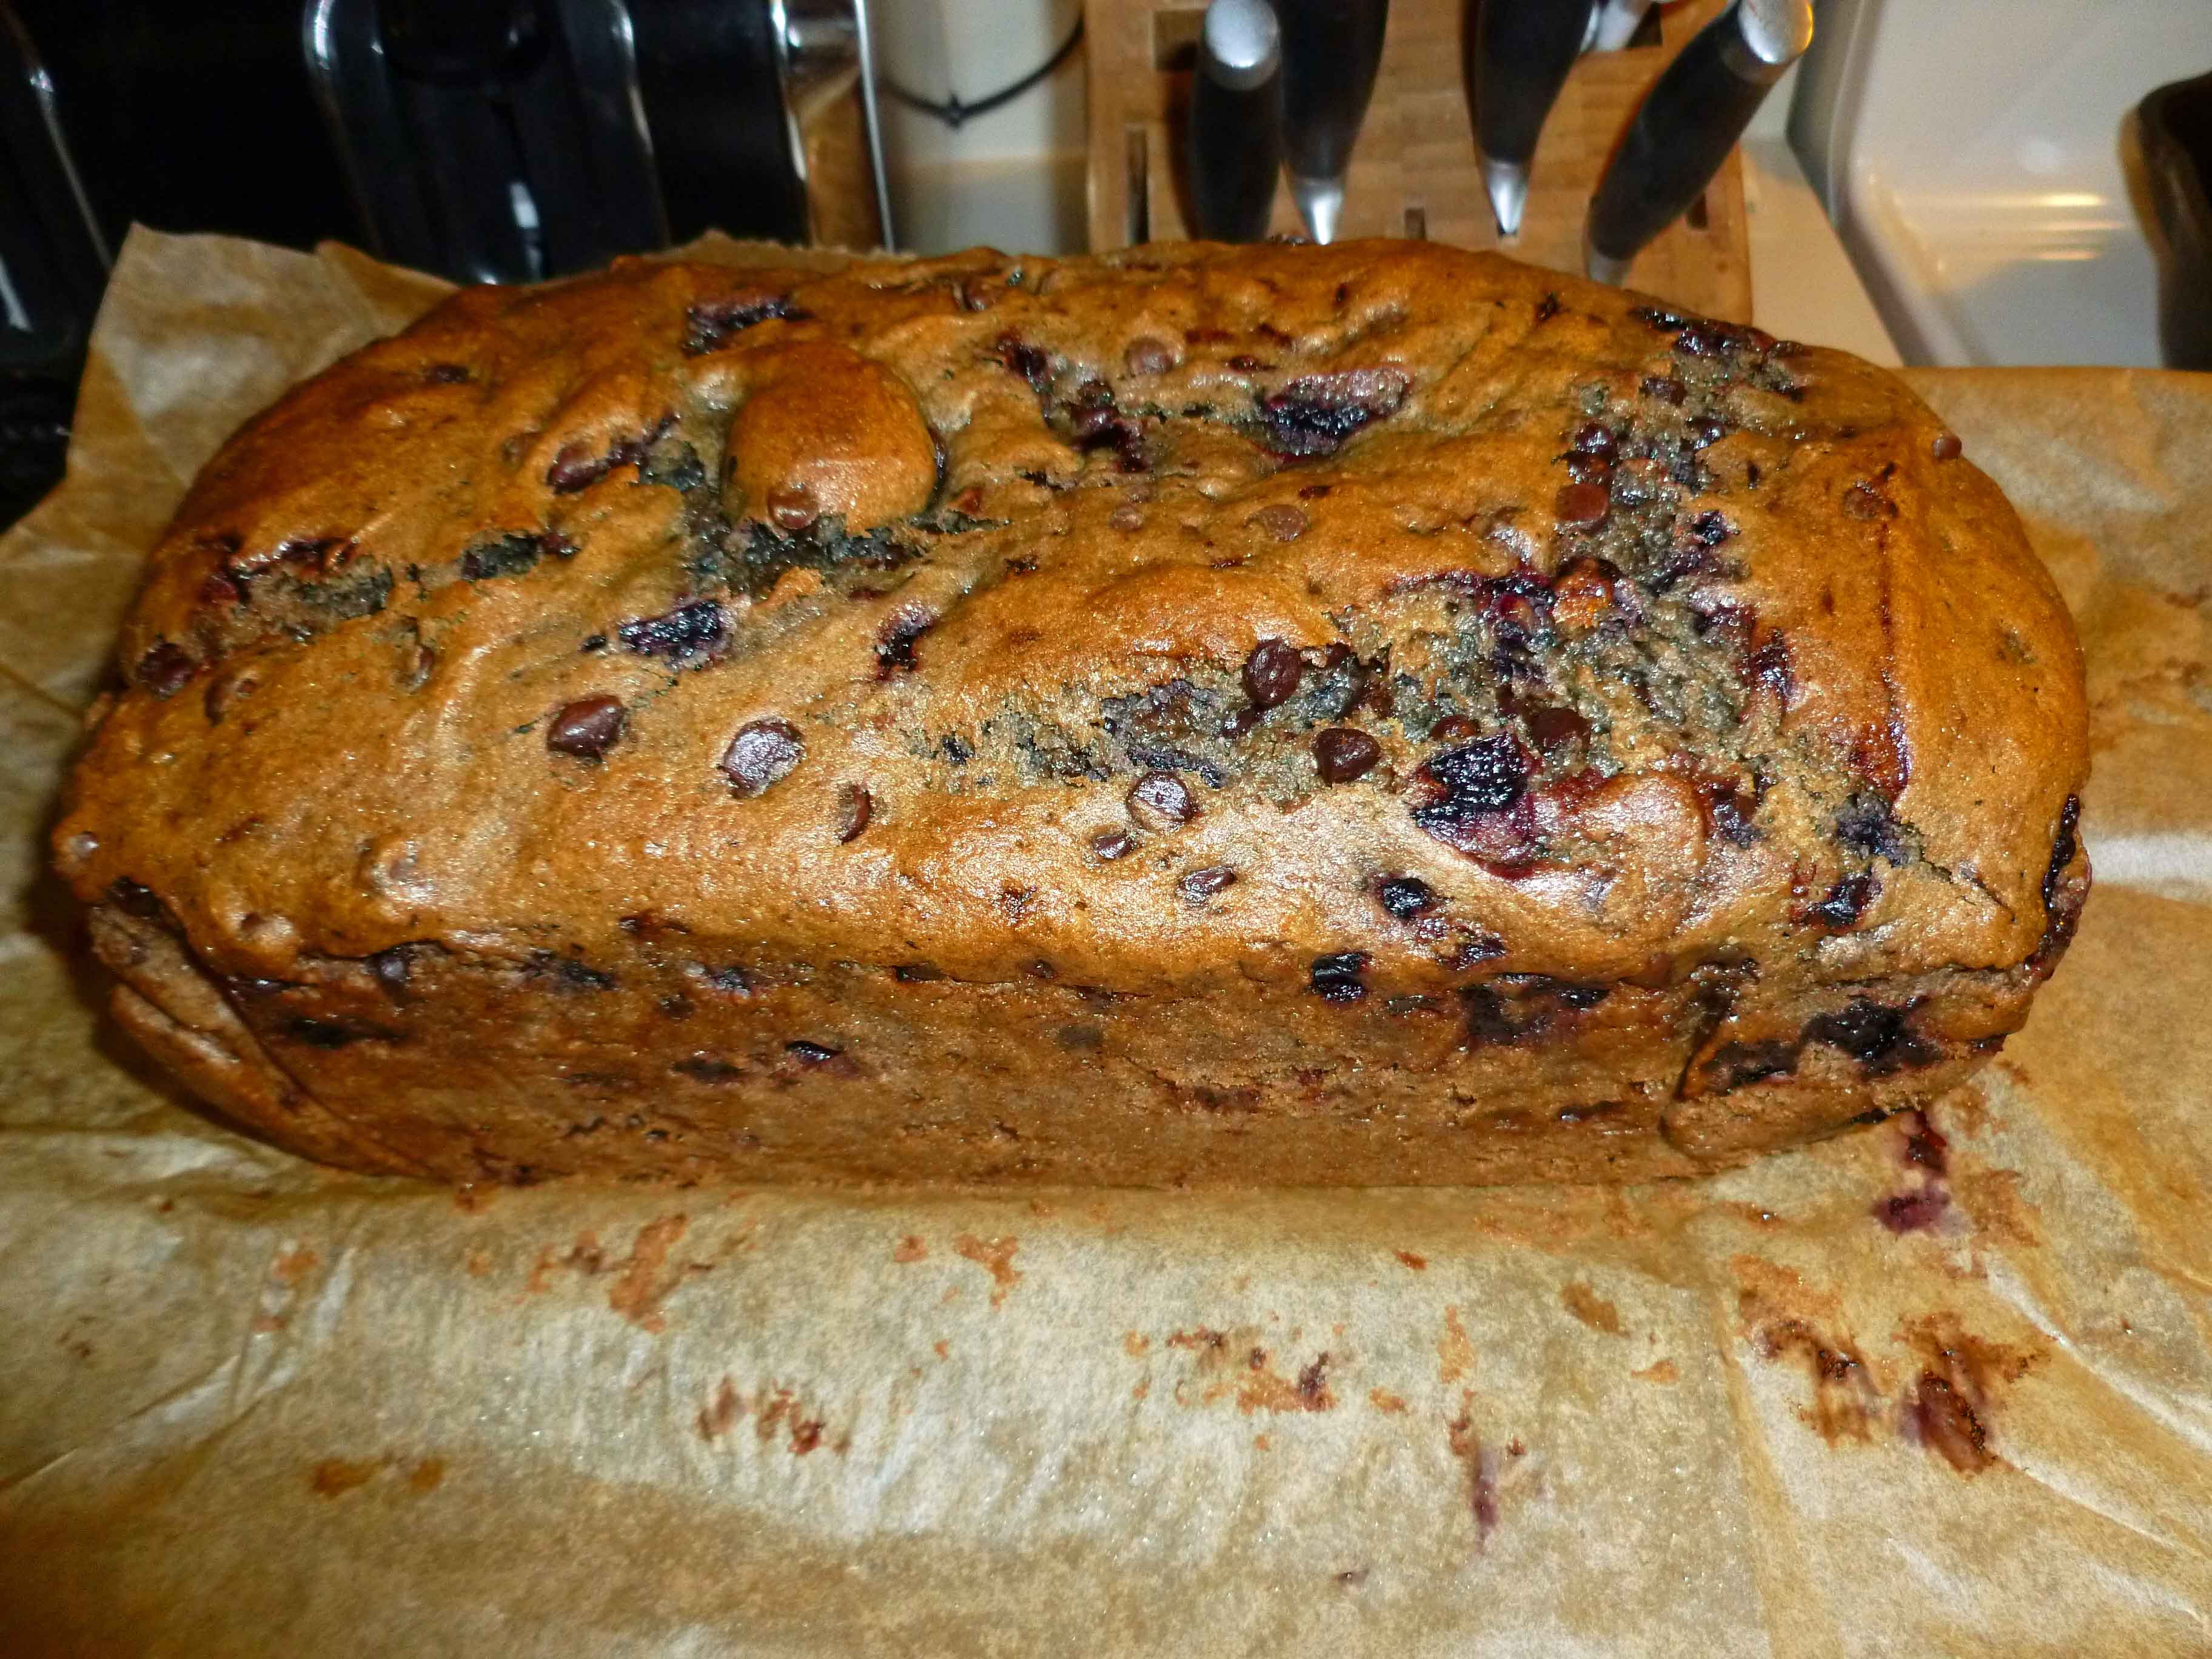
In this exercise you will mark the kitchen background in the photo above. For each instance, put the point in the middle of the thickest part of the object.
(1943, 181)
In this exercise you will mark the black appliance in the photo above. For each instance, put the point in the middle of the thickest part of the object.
(485, 140)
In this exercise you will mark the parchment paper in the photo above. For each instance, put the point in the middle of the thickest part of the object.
(250, 1407)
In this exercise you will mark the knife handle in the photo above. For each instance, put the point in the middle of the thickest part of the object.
(1519, 53)
(1235, 122)
(1331, 49)
(1688, 122)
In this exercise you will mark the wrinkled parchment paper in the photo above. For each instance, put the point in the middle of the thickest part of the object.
(251, 1407)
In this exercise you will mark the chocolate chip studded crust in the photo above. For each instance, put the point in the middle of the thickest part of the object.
(1371, 713)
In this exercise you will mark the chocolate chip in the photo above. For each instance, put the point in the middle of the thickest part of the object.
(1592, 438)
(315, 554)
(1200, 885)
(574, 468)
(587, 728)
(855, 806)
(1407, 897)
(791, 508)
(1516, 605)
(1947, 447)
(1771, 667)
(1096, 424)
(1590, 470)
(1126, 437)
(763, 753)
(392, 969)
(1283, 522)
(1490, 1019)
(1127, 518)
(1731, 810)
(1547, 307)
(1737, 1063)
(1343, 754)
(1875, 1036)
(1337, 978)
(895, 643)
(1271, 673)
(1705, 432)
(1147, 356)
(447, 374)
(1845, 902)
(1665, 388)
(1453, 728)
(1701, 338)
(1160, 801)
(136, 899)
(165, 670)
(1552, 727)
(1111, 844)
(1027, 360)
(1582, 505)
(1238, 721)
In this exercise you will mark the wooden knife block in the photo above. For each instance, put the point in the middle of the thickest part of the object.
(1414, 171)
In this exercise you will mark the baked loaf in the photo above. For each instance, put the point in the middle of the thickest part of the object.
(1370, 715)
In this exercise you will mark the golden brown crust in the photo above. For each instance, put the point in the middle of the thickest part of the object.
(1690, 677)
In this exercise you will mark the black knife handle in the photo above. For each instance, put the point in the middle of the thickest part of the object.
(1519, 53)
(1689, 121)
(1331, 49)
(1235, 122)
